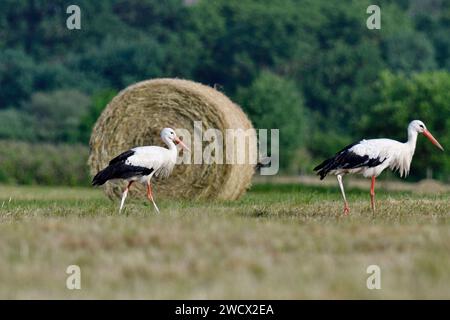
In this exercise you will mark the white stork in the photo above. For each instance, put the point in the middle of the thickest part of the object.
(141, 164)
(371, 157)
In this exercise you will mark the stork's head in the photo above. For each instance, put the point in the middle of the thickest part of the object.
(419, 127)
(168, 134)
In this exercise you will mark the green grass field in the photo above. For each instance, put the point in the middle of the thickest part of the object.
(277, 242)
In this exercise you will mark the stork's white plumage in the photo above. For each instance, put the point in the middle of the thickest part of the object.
(371, 157)
(141, 164)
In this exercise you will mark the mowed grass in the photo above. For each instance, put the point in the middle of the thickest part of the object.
(277, 242)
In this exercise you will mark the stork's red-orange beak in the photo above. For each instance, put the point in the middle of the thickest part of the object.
(433, 140)
(178, 141)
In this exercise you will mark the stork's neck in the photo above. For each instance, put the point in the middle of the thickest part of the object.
(170, 145)
(173, 151)
(412, 140)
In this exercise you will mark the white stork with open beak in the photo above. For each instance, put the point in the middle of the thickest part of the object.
(141, 164)
(371, 157)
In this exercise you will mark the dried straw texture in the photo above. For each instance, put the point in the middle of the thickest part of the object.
(136, 116)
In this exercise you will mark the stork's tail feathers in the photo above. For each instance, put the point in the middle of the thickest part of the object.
(323, 168)
(346, 159)
(102, 176)
(334, 162)
(119, 170)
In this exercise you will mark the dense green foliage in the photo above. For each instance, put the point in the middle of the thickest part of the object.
(42, 163)
(275, 102)
(427, 96)
(308, 67)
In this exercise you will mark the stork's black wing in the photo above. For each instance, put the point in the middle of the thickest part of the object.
(346, 159)
(118, 169)
(122, 157)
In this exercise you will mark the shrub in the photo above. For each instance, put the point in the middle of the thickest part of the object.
(275, 103)
(57, 114)
(44, 164)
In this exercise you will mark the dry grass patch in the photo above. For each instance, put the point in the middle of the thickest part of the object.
(276, 242)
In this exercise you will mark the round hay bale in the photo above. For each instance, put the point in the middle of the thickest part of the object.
(136, 116)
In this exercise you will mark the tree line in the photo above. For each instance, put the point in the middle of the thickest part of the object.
(311, 68)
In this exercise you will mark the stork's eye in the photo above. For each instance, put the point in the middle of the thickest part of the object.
(421, 126)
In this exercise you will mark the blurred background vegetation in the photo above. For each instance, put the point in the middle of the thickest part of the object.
(308, 67)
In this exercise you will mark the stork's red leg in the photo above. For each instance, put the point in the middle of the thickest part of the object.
(124, 195)
(149, 192)
(150, 195)
(341, 185)
(346, 209)
(372, 193)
